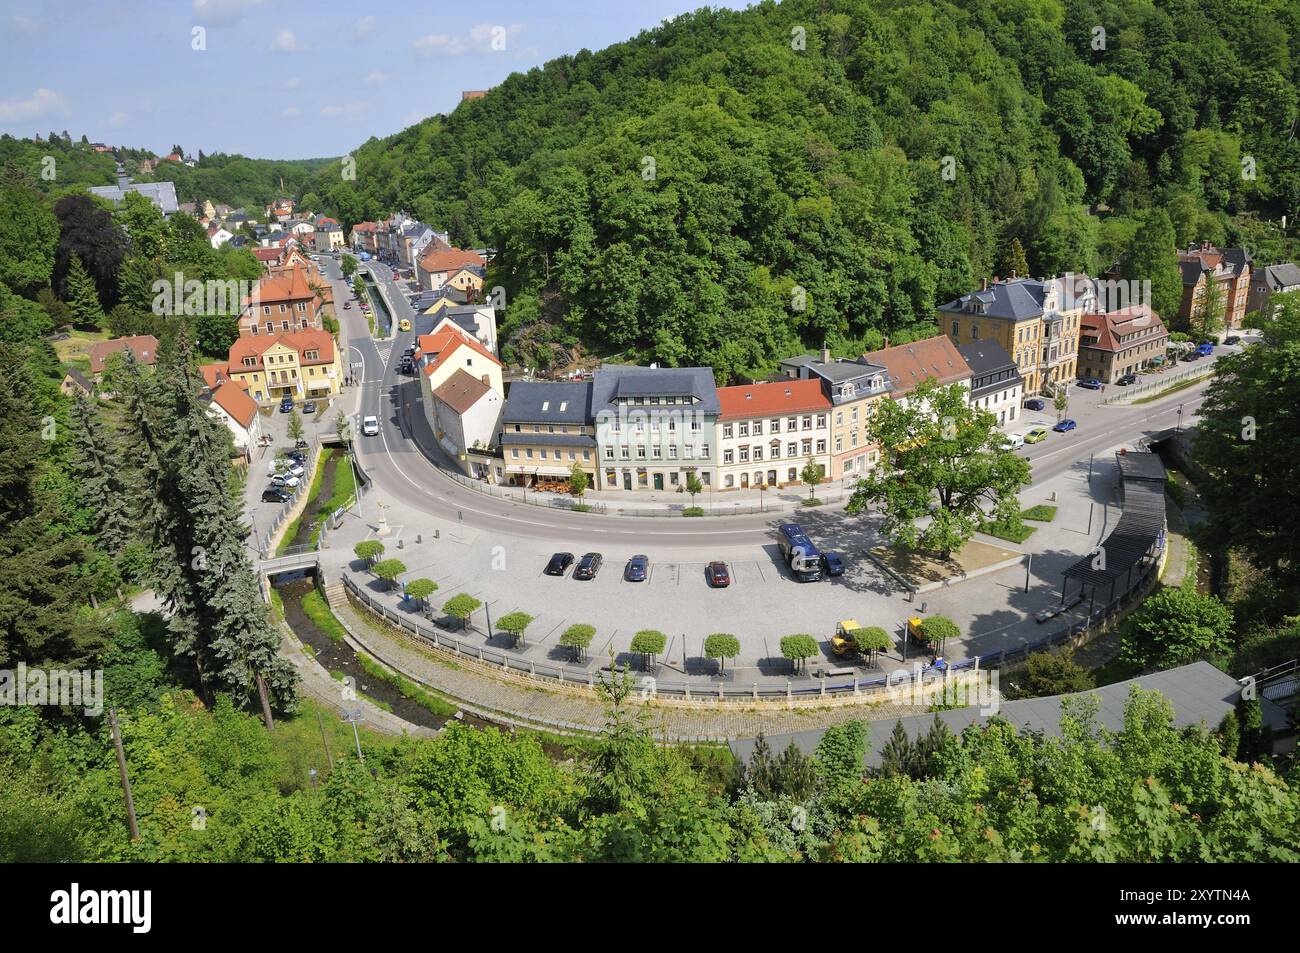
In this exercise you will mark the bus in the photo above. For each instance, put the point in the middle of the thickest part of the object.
(799, 553)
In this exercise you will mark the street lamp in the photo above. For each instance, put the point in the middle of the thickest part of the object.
(354, 718)
(1179, 428)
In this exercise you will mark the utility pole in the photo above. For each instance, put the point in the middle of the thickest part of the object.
(487, 609)
(353, 718)
(121, 770)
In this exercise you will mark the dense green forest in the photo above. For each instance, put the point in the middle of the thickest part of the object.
(664, 196)
(236, 180)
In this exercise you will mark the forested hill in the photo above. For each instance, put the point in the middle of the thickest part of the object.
(663, 196)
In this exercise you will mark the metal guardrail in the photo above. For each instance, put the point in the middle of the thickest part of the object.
(549, 500)
(721, 689)
(1162, 382)
(304, 486)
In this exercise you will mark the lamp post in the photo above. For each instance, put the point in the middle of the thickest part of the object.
(353, 717)
(1179, 428)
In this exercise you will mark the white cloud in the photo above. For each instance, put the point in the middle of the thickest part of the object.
(482, 38)
(39, 103)
(118, 119)
(346, 110)
(364, 26)
(21, 23)
(285, 42)
(288, 111)
(375, 78)
(223, 12)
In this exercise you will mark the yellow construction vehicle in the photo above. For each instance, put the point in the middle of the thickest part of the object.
(843, 642)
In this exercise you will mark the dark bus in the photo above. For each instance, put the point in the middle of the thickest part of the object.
(799, 553)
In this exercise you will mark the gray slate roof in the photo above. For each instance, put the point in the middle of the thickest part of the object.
(1278, 277)
(525, 400)
(986, 359)
(613, 382)
(1199, 693)
(162, 194)
(1017, 300)
(509, 437)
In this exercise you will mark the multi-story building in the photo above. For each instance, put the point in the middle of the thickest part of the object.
(547, 428)
(768, 432)
(327, 234)
(1036, 322)
(438, 264)
(438, 356)
(464, 412)
(284, 301)
(853, 387)
(1120, 342)
(654, 426)
(1230, 267)
(297, 364)
(364, 237)
(996, 384)
(1270, 281)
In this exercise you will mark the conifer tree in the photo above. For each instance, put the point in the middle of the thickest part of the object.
(81, 296)
(96, 463)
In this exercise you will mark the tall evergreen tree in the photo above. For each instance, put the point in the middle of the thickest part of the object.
(1152, 257)
(81, 296)
(96, 463)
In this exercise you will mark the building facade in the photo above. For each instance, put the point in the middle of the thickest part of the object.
(768, 432)
(464, 413)
(1229, 267)
(297, 364)
(1267, 282)
(547, 429)
(1120, 342)
(996, 384)
(853, 388)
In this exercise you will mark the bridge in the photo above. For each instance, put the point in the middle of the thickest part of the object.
(295, 559)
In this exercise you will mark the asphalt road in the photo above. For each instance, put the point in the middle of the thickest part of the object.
(402, 472)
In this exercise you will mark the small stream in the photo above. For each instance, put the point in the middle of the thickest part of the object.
(312, 512)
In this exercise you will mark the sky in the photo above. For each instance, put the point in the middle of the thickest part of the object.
(278, 79)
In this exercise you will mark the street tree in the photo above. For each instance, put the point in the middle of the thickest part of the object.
(936, 630)
(1060, 400)
(295, 426)
(348, 265)
(811, 475)
(515, 624)
(461, 607)
(693, 485)
(944, 464)
(578, 637)
(798, 649)
(1208, 311)
(871, 640)
(648, 643)
(577, 481)
(721, 646)
(388, 570)
(368, 550)
(420, 590)
(1175, 626)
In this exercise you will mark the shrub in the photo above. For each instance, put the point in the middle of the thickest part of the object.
(578, 637)
(721, 646)
(937, 629)
(648, 643)
(798, 649)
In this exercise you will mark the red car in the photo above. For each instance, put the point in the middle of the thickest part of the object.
(717, 575)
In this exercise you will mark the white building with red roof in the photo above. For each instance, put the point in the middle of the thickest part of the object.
(767, 432)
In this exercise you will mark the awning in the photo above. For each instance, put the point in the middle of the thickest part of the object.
(318, 385)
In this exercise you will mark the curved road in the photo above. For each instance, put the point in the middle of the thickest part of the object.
(401, 470)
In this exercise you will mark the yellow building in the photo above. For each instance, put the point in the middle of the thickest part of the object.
(298, 364)
(1037, 322)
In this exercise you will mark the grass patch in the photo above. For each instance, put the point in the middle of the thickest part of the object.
(581, 507)
(312, 492)
(313, 736)
(1175, 491)
(407, 689)
(1042, 513)
(1181, 385)
(811, 501)
(317, 609)
(345, 490)
(693, 511)
(1012, 534)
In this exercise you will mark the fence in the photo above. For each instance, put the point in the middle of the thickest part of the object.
(286, 508)
(705, 502)
(720, 689)
(1162, 382)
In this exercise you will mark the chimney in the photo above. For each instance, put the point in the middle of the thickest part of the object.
(826, 354)
(984, 284)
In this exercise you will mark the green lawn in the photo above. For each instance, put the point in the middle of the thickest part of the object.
(317, 609)
(1012, 534)
(1042, 513)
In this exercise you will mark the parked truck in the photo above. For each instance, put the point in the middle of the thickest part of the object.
(799, 553)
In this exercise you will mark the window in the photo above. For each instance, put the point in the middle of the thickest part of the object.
(728, 481)
(758, 453)
(807, 447)
(839, 418)
(624, 453)
(704, 451)
(743, 429)
(821, 421)
(543, 453)
(839, 444)
(656, 452)
(640, 452)
(821, 446)
(758, 428)
(695, 426)
(609, 453)
(672, 451)
(774, 426)
(528, 453)
(726, 431)
(744, 454)
(728, 456)
(807, 423)
(956, 329)
(792, 423)
(792, 449)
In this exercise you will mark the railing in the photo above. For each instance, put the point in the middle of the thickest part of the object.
(550, 500)
(304, 486)
(720, 687)
(1163, 381)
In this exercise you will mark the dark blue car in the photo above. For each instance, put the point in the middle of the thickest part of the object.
(1034, 404)
(1065, 425)
(286, 405)
(833, 564)
(637, 569)
(1091, 383)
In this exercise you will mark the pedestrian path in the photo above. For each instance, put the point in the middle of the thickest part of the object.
(488, 694)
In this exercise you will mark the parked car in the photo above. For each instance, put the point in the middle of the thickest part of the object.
(1232, 339)
(1034, 403)
(638, 567)
(1066, 425)
(1035, 434)
(286, 405)
(292, 467)
(1191, 356)
(833, 564)
(1205, 350)
(1013, 441)
(405, 366)
(404, 325)
(369, 426)
(1091, 383)
(559, 564)
(274, 494)
(309, 407)
(297, 456)
(284, 479)
(588, 566)
(717, 574)
(347, 305)
(1127, 379)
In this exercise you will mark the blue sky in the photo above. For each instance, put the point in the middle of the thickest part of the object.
(278, 78)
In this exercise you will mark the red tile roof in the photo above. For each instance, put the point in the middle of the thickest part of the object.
(448, 259)
(770, 399)
(235, 401)
(252, 345)
(143, 346)
(287, 285)
(909, 364)
(443, 345)
(1109, 328)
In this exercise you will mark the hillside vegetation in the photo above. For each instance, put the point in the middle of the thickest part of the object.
(663, 197)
